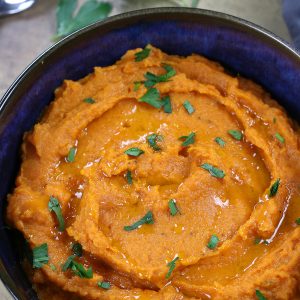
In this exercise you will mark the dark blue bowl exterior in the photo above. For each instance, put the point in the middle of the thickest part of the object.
(237, 44)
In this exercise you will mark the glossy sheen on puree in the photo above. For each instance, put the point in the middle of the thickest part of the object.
(233, 232)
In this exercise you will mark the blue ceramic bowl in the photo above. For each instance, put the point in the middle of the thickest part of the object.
(239, 45)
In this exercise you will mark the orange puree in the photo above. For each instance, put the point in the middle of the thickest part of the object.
(254, 234)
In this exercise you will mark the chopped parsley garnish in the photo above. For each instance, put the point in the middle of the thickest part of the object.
(260, 295)
(152, 97)
(104, 285)
(188, 139)
(167, 104)
(215, 172)
(141, 55)
(54, 206)
(173, 207)
(152, 140)
(77, 249)
(236, 134)
(297, 221)
(71, 154)
(40, 256)
(152, 79)
(274, 188)
(77, 268)
(279, 137)
(220, 141)
(213, 242)
(137, 85)
(52, 266)
(147, 219)
(134, 151)
(188, 106)
(258, 241)
(128, 177)
(171, 265)
(89, 100)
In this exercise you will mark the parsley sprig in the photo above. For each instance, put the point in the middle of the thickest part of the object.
(54, 206)
(171, 265)
(141, 55)
(152, 79)
(188, 139)
(40, 256)
(215, 172)
(152, 140)
(147, 219)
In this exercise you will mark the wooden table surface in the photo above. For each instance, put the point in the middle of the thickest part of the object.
(23, 37)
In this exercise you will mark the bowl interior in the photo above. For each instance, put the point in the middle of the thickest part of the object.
(237, 44)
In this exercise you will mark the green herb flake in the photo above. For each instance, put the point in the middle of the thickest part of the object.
(274, 188)
(213, 242)
(52, 266)
(40, 256)
(167, 104)
(173, 207)
(171, 265)
(215, 172)
(141, 55)
(188, 106)
(134, 151)
(137, 85)
(220, 141)
(297, 221)
(89, 12)
(260, 295)
(257, 241)
(128, 177)
(104, 285)
(147, 219)
(71, 154)
(152, 140)
(152, 79)
(77, 249)
(54, 206)
(77, 268)
(279, 137)
(152, 97)
(236, 134)
(188, 139)
(89, 100)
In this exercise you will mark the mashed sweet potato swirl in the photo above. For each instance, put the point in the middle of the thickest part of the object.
(234, 186)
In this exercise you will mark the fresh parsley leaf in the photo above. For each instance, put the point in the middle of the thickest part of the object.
(68, 264)
(40, 256)
(90, 12)
(220, 141)
(77, 268)
(134, 151)
(260, 295)
(77, 249)
(147, 219)
(152, 140)
(152, 79)
(89, 100)
(215, 172)
(137, 85)
(167, 104)
(104, 285)
(128, 177)
(236, 134)
(152, 97)
(71, 154)
(171, 265)
(173, 207)
(188, 106)
(52, 266)
(188, 139)
(280, 138)
(54, 206)
(274, 188)
(141, 55)
(297, 221)
(213, 242)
